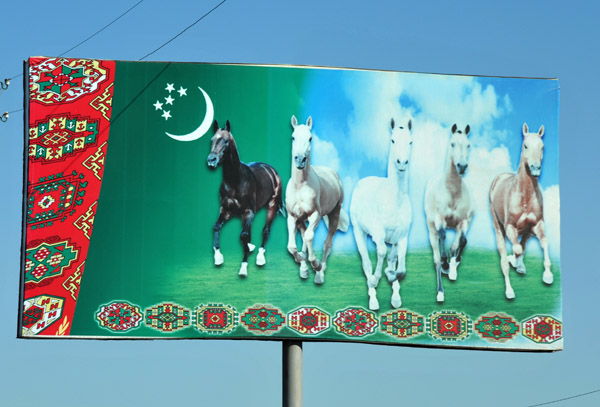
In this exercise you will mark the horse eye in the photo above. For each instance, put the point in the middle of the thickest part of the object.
(411, 142)
(525, 146)
(393, 141)
(293, 138)
(452, 144)
(310, 139)
(469, 146)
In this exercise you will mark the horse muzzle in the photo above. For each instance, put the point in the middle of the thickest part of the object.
(535, 170)
(402, 165)
(461, 168)
(300, 162)
(212, 160)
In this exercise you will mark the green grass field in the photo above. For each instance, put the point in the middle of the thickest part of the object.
(478, 290)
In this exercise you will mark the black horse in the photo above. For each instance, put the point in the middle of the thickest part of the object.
(246, 188)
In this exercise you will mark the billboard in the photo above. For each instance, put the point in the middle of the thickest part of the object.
(194, 200)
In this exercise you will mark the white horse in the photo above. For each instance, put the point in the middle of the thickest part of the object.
(448, 205)
(517, 207)
(312, 193)
(381, 208)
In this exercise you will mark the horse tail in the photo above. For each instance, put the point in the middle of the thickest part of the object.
(344, 222)
(282, 210)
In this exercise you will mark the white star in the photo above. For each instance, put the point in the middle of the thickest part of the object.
(182, 91)
(158, 105)
(166, 114)
(170, 87)
(169, 100)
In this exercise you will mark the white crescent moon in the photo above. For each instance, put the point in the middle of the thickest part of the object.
(204, 126)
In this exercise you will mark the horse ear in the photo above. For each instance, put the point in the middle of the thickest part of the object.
(309, 122)
(392, 123)
(294, 121)
(228, 126)
(454, 128)
(410, 125)
(467, 130)
(541, 131)
(215, 126)
(525, 129)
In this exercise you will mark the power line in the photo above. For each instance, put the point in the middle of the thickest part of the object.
(187, 28)
(566, 398)
(94, 34)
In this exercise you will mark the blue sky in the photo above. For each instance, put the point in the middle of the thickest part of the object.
(524, 39)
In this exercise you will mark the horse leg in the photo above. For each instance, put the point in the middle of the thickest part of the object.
(437, 261)
(501, 243)
(223, 217)
(309, 235)
(381, 252)
(334, 220)
(538, 230)
(441, 232)
(247, 218)
(401, 248)
(458, 246)
(360, 236)
(517, 261)
(271, 212)
(304, 255)
(392, 261)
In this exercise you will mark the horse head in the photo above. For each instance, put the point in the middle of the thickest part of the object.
(301, 138)
(533, 150)
(401, 143)
(220, 144)
(459, 148)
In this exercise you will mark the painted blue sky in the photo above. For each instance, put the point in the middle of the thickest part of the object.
(511, 38)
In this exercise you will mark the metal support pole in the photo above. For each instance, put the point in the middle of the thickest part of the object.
(292, 373)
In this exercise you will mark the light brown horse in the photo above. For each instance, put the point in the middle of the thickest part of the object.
(518, 210)
(312, 193)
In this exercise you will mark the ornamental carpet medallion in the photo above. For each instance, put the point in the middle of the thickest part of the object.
(262, 319)
(167, 317)
(542, 329)
(45, 259)
(40, 312)
(355, 322)
(63, 80)
(59, 136)
(308, 320)
(448, 325)
(402, 324)
(496, 327)
(53, 198)
(119, 316)
(216, 318)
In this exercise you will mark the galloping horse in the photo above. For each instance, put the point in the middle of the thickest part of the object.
(448, 205)
(312, 193)
(246, 188)
(381, 208)
(518, 210)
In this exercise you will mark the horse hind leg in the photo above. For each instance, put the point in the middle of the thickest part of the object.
(456, 251)
(360, 236)
(245, 238)
(392, 261)
(504, 265)
(437, 261)
(271, 212)
(332, 226)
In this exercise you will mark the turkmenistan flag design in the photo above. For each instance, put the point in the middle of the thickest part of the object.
(121, 206)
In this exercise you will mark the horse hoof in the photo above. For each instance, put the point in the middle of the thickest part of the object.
(512, 260)
(453, 271)
(251, 247)
(440, 297)
(260, 257)
(548, 277)
(373, 304)
(510, 294)
(303, 270)
(219, 259)
(452, 275)
(319, 277)
(243, 270)
(396, 301)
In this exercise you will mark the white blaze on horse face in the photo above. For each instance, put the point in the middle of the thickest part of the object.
(533, 150)
(459, 149)
(400, 147)
(301, 138)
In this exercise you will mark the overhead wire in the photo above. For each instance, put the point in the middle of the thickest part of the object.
(184, 30)
(564, 399)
